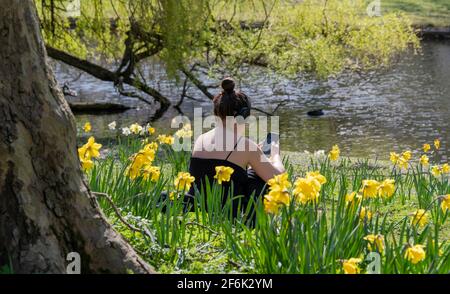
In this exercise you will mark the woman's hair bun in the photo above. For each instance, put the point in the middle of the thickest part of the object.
(230, 102)
(228, 84)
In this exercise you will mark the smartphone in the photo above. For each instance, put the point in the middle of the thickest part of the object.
(271, 137)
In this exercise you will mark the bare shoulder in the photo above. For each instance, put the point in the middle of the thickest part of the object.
(203, 139)
(198, 144)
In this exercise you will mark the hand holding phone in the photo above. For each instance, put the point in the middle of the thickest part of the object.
(267, 144)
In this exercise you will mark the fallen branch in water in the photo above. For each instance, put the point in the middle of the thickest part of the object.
(118, 78)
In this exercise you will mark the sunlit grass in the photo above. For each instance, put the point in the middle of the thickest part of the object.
(421, 12)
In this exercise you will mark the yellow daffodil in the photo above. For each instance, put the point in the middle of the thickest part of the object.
(86, 164)
(386, 189)
(424, 160)
(183, 181)
(445, 168)
(138, 161)
(280, 197)
(365, 214)
(149, 129)
(144, 157)
(90, 149)
(87, 127)
(407, 155)
(306, 189)
(436, 171)
(370, 188)
(350, 266)
(394, 157)
(334, 153)
(426, 148)
(151, 173)
(315, 174)
(350, 197)
(280, 182)
(275, 199)
(184, 132)
(402, 162)
(133, 171)
(136, 128)
(376, 242)
(353, 198)
(151, 146)
(420, 218)
(87, 152)
(415, 254)
(271, 206)
(445, 204)
(278, 194)
(165, 139)
(437, 144)
(223, 174)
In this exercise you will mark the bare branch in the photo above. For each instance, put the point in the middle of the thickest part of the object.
(144, 231)
(105, 74)
(273, 111)
(197, 83)
(183, 94)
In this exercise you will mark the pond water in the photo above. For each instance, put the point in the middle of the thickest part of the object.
(394, 109)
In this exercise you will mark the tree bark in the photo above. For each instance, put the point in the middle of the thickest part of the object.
(46, 208)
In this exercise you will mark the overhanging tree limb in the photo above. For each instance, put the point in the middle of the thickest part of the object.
(197, 83)
(105, 74)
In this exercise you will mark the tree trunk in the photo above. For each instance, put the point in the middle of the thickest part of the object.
(46, 208)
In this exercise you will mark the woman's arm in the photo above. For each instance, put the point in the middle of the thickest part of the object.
(275, 156)
(266, 168)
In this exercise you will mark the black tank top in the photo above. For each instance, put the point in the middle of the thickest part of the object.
(202, 168)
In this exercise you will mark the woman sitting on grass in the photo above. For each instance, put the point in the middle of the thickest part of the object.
(226, 146)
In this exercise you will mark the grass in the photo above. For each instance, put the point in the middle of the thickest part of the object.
(422, 12)
(311, 237)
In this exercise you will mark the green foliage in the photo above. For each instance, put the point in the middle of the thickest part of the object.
(182, 27)
(323, 37)
(316, 36)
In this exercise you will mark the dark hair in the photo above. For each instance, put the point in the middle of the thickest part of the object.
(230, 102)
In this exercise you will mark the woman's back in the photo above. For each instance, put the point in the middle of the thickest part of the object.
(221, 143)
(212, 149)
(226, 145)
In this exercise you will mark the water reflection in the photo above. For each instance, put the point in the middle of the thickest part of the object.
(396, 109)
